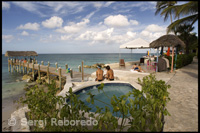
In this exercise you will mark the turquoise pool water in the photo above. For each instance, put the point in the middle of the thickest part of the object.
(110, 89)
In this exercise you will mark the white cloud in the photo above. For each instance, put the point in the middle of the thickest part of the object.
(102, 36)
(116, 21)
(134, 22)
(53, 22)
(29, 26)
(66, 37)
(48, 38)
(7, 38)
(131, 34)
(155, 28)
(74, 27)
(5, 5)
(24, 33)
(152, 32)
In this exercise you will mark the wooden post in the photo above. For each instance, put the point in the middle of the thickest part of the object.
(39, 71)
(71, 73)
(56, 65)
(11, 65)
(42, 62)
(82, 72)
(33, 70)
(66, 66)
(27, 68)
(36, 62)
(23, 67)
(48, 75)
(19, 66)
(79, 67)
(60, 80)
(48, 64)
(8, 65)
(172, 59)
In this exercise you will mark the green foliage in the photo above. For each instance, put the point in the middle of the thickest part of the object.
(144, 113)
(182, 60)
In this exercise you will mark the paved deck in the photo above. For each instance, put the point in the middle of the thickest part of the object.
(183, 106)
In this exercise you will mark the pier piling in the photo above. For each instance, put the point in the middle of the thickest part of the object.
(66, 66)
(71, 73)
(11, 66)
(39, 71)
(48, 75)
(60, 80)
(79, 67)
(82, 72)
(23, 67)
(27, 69)
(33, 71)
(19, 66)
(8, 65)
(48, 64)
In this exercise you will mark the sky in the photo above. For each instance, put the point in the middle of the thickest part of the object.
(80, 26)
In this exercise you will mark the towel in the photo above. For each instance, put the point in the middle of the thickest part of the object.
(167, 61)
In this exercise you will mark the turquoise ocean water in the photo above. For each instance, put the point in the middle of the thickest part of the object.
(11, 85)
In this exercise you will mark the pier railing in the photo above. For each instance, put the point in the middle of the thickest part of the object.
(25, 67)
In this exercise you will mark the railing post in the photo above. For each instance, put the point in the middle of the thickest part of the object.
(82, 72)
(48, 75)
(66, 66)
(42, 62)
(71, 73)
(23, 67)
(8, 65)
(79, 67)
(56, 66)
(27, 67)
(48, 64)
(19, 66)
(39, 71)
(33, 71)
(60, 78)
(11, 65)
(36, 62)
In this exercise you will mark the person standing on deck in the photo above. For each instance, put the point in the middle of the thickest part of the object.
(99, 74)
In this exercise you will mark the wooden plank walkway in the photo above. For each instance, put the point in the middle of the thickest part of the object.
(43, 68)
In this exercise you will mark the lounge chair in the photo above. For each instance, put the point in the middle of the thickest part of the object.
(121, 63)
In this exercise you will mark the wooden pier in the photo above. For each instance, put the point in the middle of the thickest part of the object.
(26, 65)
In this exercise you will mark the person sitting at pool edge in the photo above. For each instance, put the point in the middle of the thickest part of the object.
(140, 69)
(99, 74)
(110, 73)
(135, 67)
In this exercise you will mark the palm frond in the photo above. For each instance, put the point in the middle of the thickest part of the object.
(189, 8)
(187, 20)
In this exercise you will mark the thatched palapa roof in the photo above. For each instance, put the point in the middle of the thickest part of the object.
(167, 41)
(20, 53)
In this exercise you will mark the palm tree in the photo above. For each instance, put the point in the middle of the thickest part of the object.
(162, 5)
(184, 33)
(189, 10)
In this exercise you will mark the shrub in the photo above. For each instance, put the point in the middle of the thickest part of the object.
(182, 60)
(147, 114)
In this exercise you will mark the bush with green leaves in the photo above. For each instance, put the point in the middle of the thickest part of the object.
(182, 60)
(144, 113)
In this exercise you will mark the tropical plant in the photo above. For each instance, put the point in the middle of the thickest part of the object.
(190, 12)
(162, 5)
(190, 39)
(144, 113)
